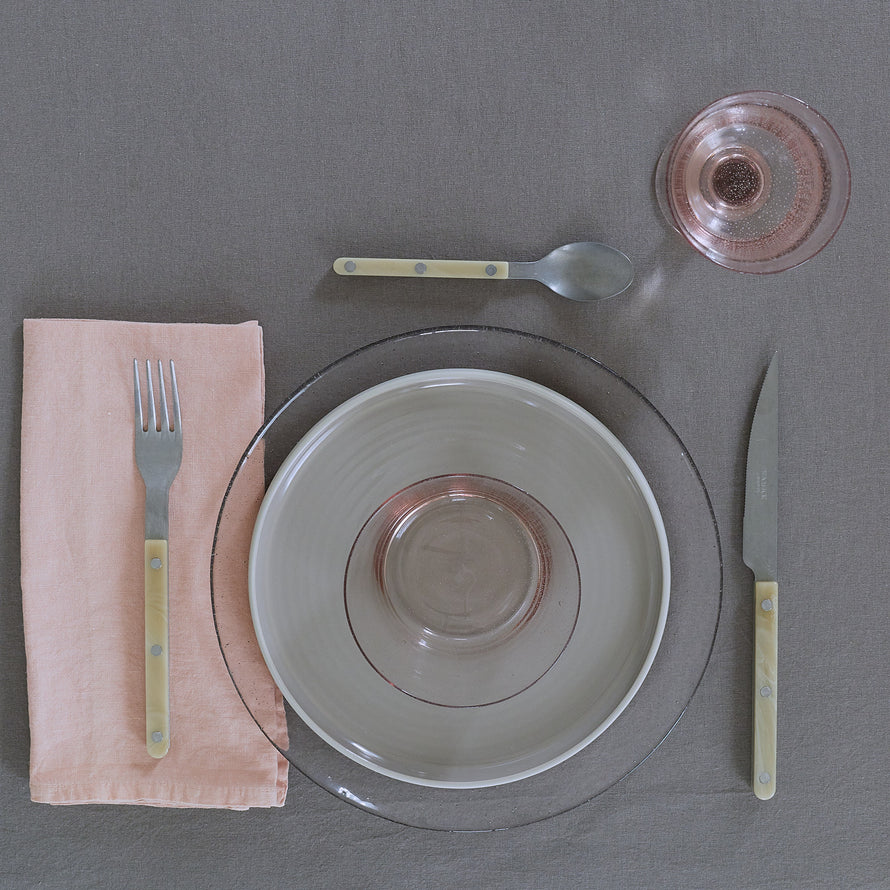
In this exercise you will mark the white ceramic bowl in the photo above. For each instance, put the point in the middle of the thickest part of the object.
(458, 422)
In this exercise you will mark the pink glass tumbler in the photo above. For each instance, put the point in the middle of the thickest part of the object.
(757, 182)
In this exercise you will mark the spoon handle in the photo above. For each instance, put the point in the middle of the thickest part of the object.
(420, 268)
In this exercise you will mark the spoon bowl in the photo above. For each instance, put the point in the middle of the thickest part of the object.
(583, 271)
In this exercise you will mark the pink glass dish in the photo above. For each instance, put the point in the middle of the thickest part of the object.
(462, 590)
(757, 182)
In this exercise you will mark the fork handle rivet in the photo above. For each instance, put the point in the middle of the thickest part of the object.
(156, 562)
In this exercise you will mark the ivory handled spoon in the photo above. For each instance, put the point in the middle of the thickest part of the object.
(583, 271)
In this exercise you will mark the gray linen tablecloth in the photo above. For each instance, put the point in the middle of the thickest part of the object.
(207, 162)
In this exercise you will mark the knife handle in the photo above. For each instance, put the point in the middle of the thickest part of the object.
(766, 658)
(400, 268)
(157, 659)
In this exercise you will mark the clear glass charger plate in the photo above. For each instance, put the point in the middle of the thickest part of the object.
(686, 637)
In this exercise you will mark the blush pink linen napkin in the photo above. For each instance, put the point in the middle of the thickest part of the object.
(82, 531)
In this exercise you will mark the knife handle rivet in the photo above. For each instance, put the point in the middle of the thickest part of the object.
(764, 778)
(767, 605)
(156, 562)
(349, 266)
(765, 691)
(420, 268)
(157, 736)
(156, 649)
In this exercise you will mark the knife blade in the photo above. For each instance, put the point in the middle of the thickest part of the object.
(760, 553)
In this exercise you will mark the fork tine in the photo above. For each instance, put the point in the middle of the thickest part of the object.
(176, 418)
(152, 414)
(137, 391)
(165, 415)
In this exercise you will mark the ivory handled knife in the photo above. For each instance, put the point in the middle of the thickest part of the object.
(760, 553)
